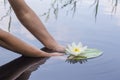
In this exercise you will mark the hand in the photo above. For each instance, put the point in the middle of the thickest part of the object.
(51, 53)
(56, 54)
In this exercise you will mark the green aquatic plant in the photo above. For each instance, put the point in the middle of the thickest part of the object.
(75, 50)
(78, 52)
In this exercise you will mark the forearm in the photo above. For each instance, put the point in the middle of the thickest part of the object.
(19, 6)
(26, 16)
(3, 44)
(12, 43)
(31, 21)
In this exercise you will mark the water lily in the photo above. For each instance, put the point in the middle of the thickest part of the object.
(75, 49)
(79, 52)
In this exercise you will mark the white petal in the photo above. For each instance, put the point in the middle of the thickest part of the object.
(69, 47)
(68, 51)
(74, 45)
(73, 53)
(84, 48)
(79, 44)
(76, 54)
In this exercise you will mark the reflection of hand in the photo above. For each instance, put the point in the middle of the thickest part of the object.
(20, 68)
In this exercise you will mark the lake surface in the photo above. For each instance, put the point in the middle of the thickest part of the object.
(101, 32)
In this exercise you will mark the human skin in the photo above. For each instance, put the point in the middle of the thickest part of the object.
(13, 43)
(31, 21)
(35, 26)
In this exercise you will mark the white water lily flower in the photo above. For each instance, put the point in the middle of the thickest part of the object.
(75, 50)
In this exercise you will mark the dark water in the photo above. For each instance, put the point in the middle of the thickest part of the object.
(102, 33)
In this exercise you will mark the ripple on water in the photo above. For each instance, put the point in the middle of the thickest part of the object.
(103, 66)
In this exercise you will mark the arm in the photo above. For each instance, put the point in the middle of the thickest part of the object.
(31, 21)
(13, 43)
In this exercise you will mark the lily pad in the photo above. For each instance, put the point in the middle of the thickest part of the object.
(91, 53)
(88, 53)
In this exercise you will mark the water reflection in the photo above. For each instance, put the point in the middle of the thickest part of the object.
(20, 68)
(73, 61)
(7, 13)
(56, 5)
(72, 5)
(69, 6)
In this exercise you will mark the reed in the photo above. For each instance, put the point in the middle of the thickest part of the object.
(70, 6)
(7, 14)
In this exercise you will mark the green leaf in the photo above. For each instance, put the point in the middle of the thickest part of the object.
(91, 53)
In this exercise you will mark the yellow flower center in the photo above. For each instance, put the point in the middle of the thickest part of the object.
(76, 50)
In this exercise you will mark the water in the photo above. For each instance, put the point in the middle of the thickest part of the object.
(101, 33)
